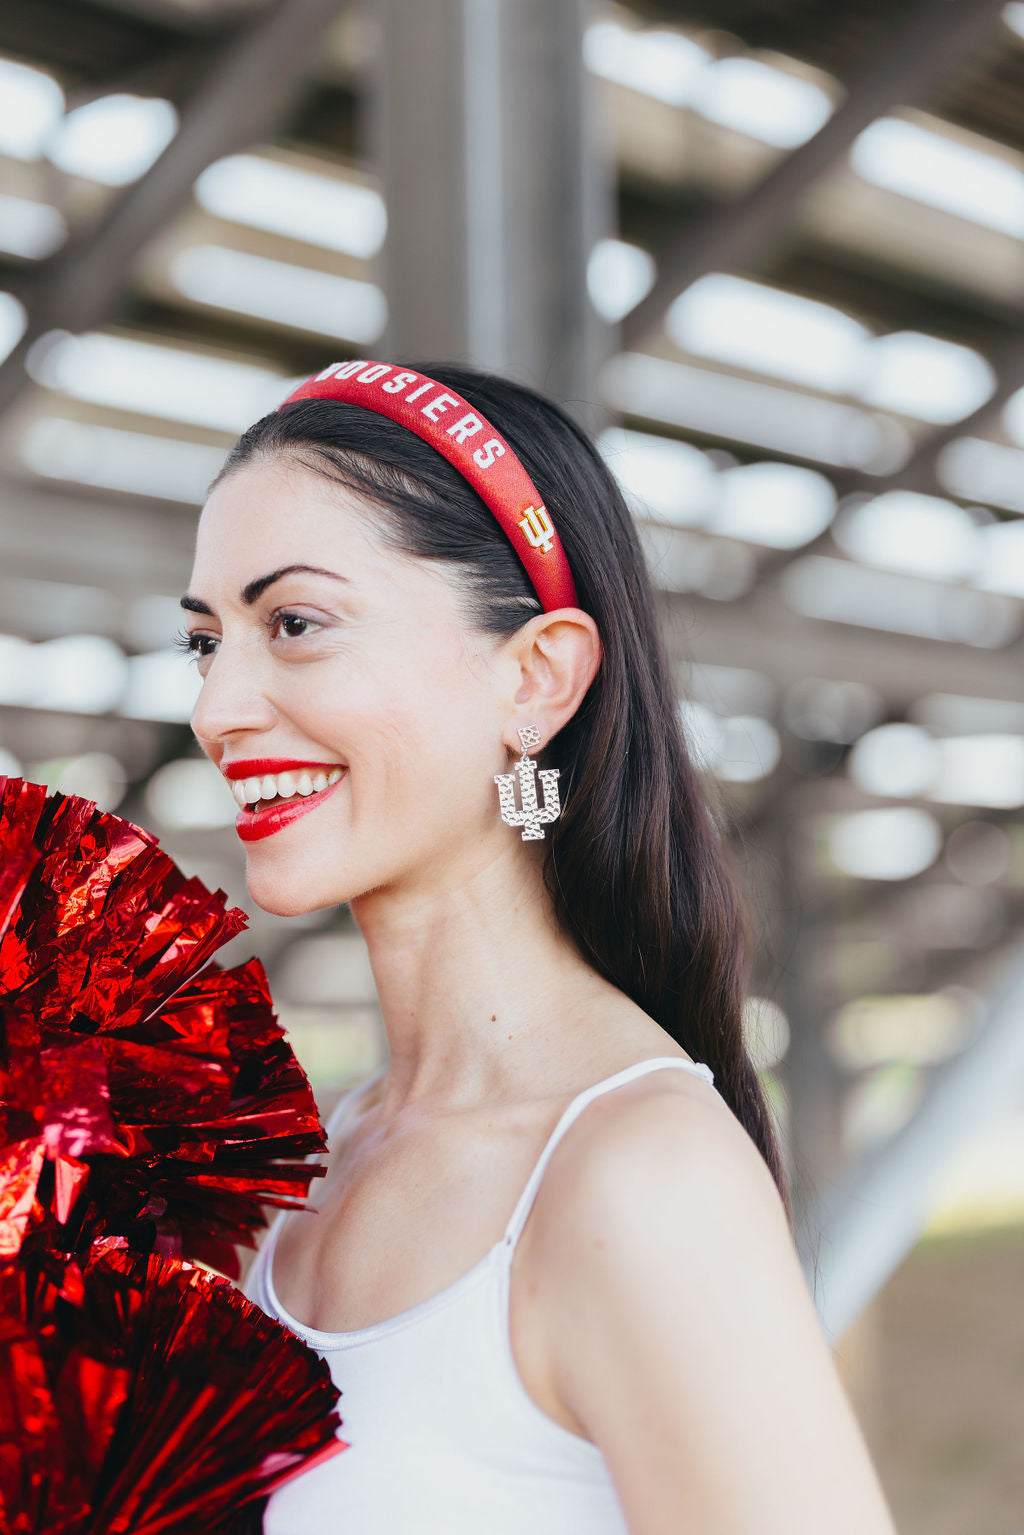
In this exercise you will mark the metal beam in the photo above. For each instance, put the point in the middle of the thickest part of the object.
(238, 101)
(82, 536)
(871, 1219)
(759, 629)
(913, 56)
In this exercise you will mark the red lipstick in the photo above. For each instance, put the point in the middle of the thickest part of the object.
(254, 825)
(255, 767)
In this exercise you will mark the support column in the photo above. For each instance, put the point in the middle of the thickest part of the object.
(482, 125)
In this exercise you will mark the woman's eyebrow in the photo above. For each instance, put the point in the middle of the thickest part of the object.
(256, 588)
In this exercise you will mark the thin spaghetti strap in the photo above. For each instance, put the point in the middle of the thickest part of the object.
(638, 1069)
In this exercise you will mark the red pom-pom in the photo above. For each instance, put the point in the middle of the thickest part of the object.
(156, 1401)
(144, 1090)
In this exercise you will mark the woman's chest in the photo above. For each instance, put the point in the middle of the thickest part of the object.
(401, 1219)
(401, 1213)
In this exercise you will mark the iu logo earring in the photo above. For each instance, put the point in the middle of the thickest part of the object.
(531, 816)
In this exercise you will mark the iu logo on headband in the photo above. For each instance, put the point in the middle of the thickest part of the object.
(537, 526)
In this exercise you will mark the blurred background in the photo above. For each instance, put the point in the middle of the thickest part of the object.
(771, 253)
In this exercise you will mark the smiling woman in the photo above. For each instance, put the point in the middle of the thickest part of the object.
(537, 1324)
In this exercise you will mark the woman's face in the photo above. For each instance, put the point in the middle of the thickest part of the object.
(371, 670)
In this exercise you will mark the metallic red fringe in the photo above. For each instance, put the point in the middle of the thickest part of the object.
(150, 1105)
(146, 1092)
(160, 1402)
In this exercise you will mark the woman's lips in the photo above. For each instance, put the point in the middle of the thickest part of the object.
(254, 825)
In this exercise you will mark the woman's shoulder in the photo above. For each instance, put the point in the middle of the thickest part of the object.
(657, 1177)
(666, 1140)
(658, 1211)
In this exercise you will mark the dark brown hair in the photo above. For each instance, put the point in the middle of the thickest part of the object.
(638, 865)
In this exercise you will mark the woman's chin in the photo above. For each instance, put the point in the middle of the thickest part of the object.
(284, 898)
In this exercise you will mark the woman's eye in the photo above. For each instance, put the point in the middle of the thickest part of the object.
(291, 618)
(191, 644)
(194, 645)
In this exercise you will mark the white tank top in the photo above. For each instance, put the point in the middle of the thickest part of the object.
(443, 1437)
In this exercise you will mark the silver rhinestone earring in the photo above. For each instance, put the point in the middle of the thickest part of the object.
(531, 817)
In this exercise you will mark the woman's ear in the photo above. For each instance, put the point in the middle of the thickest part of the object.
(558, 655)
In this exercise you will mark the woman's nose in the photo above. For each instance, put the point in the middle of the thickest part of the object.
(232, 700)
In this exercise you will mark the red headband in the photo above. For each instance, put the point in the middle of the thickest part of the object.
(492, 469)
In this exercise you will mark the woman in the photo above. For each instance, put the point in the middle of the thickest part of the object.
(383, 610)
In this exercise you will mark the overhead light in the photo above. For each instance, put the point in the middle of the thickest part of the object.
(979, 470)
(160, 686)
(778, 505)
(889, 844)
(47, 676)
(662, 479)
(921, 1028)
(78, 674)
(156, 380)
(136, 462)
(844, 592)
(13, 320)
(736, 748)
(1013, 15)
(767, 330)
(702, 731)
(765, 103)
(95, 776)
(748, 749)
(766, 1032)
(114, 139)
(17, 678)
(318, 209)
(656, 62)
(981, 770)
(944, 172)
(30, 229)
(31, 103)
(1002, 560)
(900, 760)
(903, 530)
(190, 793)
(1013, 416)
(619, 275)
(925, 377)
(751, 97)
(318, 302)
(765, 415)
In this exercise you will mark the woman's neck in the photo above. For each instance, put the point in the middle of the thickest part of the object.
(481, 992)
